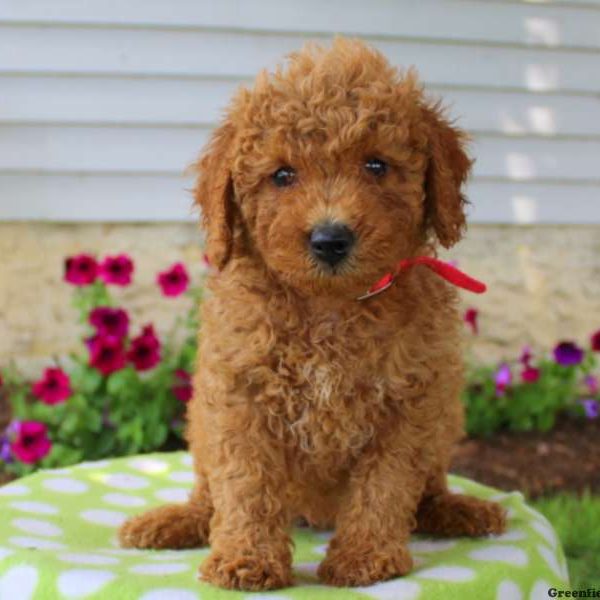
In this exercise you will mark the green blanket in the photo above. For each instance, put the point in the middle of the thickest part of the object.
(57, 540)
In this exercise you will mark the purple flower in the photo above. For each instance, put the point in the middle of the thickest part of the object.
(591, 408)
(113, 322)
(591, 382)
(526, 356)
(5, 453)
(503, 379)
(568, 354)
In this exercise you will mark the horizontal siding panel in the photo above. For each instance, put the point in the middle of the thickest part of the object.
(183, 101)
(142, 198)
(458, 20)
(169, 150)
(228, 54)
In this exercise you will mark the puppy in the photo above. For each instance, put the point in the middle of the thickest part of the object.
(309, 402)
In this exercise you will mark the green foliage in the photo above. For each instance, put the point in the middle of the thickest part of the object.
(577, 523)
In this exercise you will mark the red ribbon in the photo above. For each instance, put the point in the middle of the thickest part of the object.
(439, 267)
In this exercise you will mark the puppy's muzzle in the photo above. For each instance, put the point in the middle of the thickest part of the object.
(331, 243)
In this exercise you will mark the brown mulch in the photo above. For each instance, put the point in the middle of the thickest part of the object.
(564, 459)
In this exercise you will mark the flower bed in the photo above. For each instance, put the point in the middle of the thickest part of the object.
(125, 392)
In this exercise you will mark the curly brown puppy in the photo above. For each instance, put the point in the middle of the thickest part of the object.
(309, 402)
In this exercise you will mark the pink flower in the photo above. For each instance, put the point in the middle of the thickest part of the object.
(530, 374)
(470, 318)
(81, 270)
(182, 390)
(591, 382)
(595, 341)
(591, 408)
(106, 353)
(526, 356)
(568, 354)
(108, 321)
(174, 281)
(117, 270)
(32, 443)
(145, 350)
(54, 387)
(503, 379)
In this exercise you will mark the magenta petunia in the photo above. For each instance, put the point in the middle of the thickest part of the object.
(530, 374)
(54, 387)
(144, 352)
(526, 356)
(81, 270)
(117, 270)
(106, 353)
(182, 390)
(470, 318)
(503, 379)
(595, 341)
(592, 384)
(31, 443)
(591, 408)
(174, 281)
(108, 321)
(568, 354)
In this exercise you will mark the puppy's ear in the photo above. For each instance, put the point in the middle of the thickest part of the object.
(213, 193)
(447, 171)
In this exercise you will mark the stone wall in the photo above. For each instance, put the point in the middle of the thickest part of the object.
(544, 283)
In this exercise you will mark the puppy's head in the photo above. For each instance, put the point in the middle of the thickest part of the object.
(332, 170)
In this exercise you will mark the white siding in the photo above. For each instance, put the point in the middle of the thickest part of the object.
(103, 103)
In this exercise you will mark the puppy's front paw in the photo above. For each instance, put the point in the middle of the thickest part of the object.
(349, 567)
(246, 571)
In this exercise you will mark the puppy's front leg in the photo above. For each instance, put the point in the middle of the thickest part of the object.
(377, 516)
(249, 529)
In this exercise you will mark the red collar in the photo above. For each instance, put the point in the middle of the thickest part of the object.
(441, 268)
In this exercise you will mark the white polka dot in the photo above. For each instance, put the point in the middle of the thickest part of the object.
(81, 558)
(307, 569)
(131, 552)
(509, 590)
(98, 464)
(511, 555)
(14, 489)
(150, 466)
(551, 559)
(456, 489)
(267, 597)
(322, 549)
(37, 527)
(110, 518)
(4, 552)
(176, 555)
(187, 460)
(324, 535)
(123, 500)
(546, 532)
(182, 476)
(124, 481)
(159, 569)
(513, 535)
(173, 495)
(540, 590)
(40, 508)
(396, 589)
(445, 573)
(171, 594)
(65, 485)
(78, 583)
(36, 543)
(425, 546)
(19, 582)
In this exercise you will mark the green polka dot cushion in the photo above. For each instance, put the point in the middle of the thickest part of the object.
(57, 540)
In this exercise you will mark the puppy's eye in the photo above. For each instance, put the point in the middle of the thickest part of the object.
(284, 176)
(376, 167)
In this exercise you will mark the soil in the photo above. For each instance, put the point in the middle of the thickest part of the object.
(564, 459)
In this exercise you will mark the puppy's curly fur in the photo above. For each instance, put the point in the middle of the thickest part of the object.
(308, 402)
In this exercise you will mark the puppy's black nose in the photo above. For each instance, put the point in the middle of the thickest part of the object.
(331, 243)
